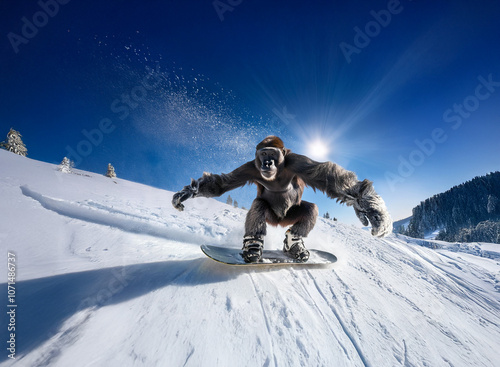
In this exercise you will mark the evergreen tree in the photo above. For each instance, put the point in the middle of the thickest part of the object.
(459, 211)
(14, 143)
(487, 231)
(66, 165)
(326, 215)
(111, 171)
(235, 203)
(229, 200)
(492, 206)
(400, 229)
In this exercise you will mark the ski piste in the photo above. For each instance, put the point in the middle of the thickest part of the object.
(111, 270)
(232, 256)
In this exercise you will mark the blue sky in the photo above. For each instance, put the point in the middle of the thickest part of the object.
(404, 93)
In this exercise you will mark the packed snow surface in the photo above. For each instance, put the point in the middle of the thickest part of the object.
(109, 274)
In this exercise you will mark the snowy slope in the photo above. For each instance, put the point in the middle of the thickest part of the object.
(109, 274)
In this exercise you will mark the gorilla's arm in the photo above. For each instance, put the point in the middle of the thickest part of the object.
(343, 185)
(212, 185)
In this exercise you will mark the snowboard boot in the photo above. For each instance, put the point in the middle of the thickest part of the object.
(252, 248)
(294, 247)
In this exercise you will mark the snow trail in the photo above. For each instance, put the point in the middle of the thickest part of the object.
(341, 322)
(100, 214)
(110, 274)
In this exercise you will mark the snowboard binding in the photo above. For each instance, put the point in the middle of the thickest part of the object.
(252, 248)
(294, 247)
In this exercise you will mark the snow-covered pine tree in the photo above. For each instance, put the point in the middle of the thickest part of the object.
(111, 171)
(66, 165)
(458, 211)
(229, 200)
(235, 203)
(14, 143)
(326, 215)
(492, 206)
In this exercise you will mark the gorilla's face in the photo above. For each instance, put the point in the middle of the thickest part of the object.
(268, 161)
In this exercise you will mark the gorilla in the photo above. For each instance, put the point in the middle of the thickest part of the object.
(280, 177)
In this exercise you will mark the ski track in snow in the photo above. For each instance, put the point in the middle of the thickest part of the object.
(341, 322)
(103, 215)
(109, 277)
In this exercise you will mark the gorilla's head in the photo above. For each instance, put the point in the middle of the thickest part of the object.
(270, 157)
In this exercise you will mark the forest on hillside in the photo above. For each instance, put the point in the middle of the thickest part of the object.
(469, 212)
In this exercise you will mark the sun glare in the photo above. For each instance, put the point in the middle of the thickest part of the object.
(317, 149)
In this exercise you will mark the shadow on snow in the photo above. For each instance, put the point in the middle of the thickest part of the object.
(45, 303)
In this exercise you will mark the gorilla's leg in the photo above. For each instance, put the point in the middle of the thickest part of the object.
(255, 223)
(303, 217)
(255, 230)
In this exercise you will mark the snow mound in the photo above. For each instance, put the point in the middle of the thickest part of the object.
(109, 274)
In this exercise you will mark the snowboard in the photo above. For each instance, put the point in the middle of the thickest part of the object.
(232, 256)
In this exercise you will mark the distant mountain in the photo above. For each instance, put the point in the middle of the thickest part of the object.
(466, 213)
(401, 225)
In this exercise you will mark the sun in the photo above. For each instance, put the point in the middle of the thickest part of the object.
(318, 149)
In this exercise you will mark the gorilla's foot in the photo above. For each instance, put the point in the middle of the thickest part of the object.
(294, 247)
(252, 248)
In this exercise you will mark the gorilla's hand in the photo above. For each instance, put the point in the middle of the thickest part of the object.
(371, 209)
(186, 193)
(379, 218)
